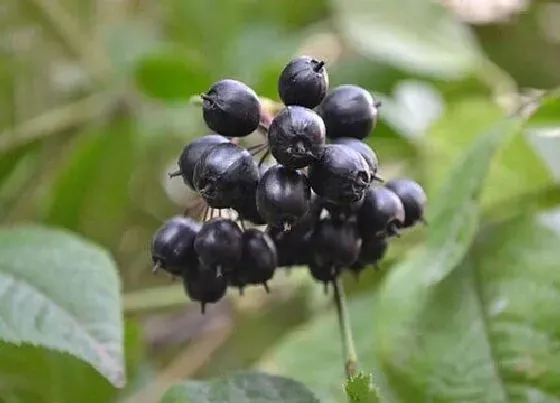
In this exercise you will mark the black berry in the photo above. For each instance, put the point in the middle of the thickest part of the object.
(219, 244)
(341, 176)
(192, 153)
(205, 286)
(373, 250)
(363, 149)
(413, 198)
(172, 245)
(349, 111)
(225, 174)
(304, 81)
(381, 213)
(259, 258)
(296, 137)
(343, 212)
(335, 244)
(231, 108)
(283, 196)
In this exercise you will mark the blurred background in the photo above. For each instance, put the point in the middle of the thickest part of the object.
(95, 108)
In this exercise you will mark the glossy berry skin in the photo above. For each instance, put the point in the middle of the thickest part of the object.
(335, 244)
(343, 212)
(193, 151)
(231, 108)
(296, 137)
(225, 174)
(173, 245)
(413, 198)
(381, 214)
(283, 196)
(373, 250)
(259, 259)
(341, 176)
(219, 244)
(363, 149)
(349, 111)
(205, 286)
(304, 82)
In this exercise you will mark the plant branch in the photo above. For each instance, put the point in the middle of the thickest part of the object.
(93, 58)
(348, 348)
(54, 121)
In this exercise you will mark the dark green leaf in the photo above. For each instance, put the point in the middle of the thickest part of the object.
(249, 387)
(489, 331)
(170, 76)
(416, 35)
(61, 292)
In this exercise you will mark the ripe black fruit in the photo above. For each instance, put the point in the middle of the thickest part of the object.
(192, 153)
(335, 244)
(413, 198)
(205, 286)
(343, 212)
(381, 214)
(304, 81)
(225, 174)
(283, 196)
(363, 149)
(349, 111)
(296, 137)
(373, 250)
(341, 176)
(219, 244)
(259, 258)
(231, 108)
(172, 245)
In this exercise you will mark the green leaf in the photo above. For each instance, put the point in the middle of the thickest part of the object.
(547, 114)
(490, 331)
(170, 76)
(360, 389)
(249, 387)
(312, 354)
(516, 170)
(38, 375)
(61, 292)
(415, 35)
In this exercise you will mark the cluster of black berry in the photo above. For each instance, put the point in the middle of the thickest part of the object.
(318, 201)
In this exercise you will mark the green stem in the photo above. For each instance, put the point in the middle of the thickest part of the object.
(348, 348)
(155, 298)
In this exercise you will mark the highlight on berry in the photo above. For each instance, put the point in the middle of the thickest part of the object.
(308, 196)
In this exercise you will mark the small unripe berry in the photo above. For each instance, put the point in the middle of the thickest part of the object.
(231, 108)
(296, 137)
(304, 81)
(349, 111)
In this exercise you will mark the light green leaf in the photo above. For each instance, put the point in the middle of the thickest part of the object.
(170, 75)
(490, 331)
(312, 354)
(415, 35)
(360, 389)
(248, 387)
(517, 170)
(63, 293)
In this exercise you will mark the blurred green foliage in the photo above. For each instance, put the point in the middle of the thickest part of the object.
(96, 105)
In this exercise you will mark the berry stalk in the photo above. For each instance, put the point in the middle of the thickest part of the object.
(348, 348)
